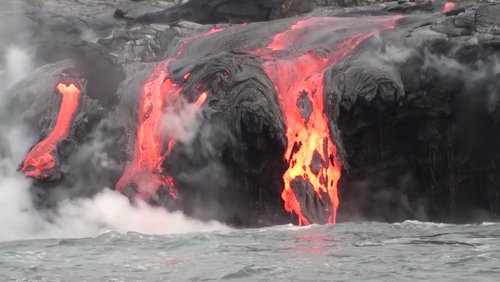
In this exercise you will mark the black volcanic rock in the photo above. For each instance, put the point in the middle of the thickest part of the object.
(413, 111)
(426, 150)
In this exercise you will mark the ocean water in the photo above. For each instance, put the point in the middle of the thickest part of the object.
(365, 251)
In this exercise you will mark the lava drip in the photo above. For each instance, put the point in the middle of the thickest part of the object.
(296, 61)
(41, 160)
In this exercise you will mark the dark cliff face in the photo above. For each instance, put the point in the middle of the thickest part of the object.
(412, 110)
(419, 126)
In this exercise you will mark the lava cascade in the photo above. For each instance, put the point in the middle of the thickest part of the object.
(145, 170)
(296, 61)
(145, 174)
(41, 159)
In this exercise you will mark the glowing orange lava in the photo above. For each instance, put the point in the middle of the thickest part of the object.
(150, 150)
(41, 159)
(201, 99)
(145, 170)
(448, 7)
(298, 75)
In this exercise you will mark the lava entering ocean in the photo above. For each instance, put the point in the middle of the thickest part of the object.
(41, 159)
(145, 170)
(295, 60)
(302, 114)
(298, 76)
(145, 177)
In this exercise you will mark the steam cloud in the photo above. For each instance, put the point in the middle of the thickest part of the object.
(182, 122)
(105, 211)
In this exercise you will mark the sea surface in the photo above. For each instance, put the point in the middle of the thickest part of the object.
(364, 251)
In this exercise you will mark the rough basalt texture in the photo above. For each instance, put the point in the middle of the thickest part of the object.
(420, 131)
(414, 112)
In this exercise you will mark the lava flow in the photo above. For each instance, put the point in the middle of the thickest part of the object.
(296, 61)
(145, 170)
(145, 174)
(41, 159)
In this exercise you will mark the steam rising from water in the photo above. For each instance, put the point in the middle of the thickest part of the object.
(108, 210)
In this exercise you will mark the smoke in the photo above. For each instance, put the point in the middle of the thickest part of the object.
(105, 211)
(18, 63)
(426, 70)
(181, 121)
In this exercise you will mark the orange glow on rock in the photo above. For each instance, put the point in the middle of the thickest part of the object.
(448, 7)
(201, 99)
(41, 158)
(311, 153)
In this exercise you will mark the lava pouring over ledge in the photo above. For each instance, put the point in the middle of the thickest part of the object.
(144, 177)
(296, 61)
(297, 72)
(145, 171)
(41, 159)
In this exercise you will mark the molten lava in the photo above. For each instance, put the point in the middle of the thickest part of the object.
(448, 7)
(296, 61)
(41, 159)
(145, 170)
(145, 174)
(297, 72)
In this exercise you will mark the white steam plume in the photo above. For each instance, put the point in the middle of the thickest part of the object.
(106, 211)
(181, 121)
(18, 65)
